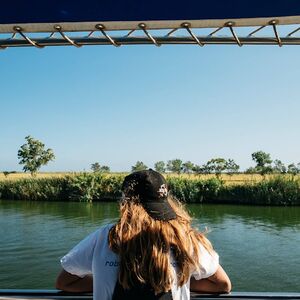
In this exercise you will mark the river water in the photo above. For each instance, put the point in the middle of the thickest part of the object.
(259, 247)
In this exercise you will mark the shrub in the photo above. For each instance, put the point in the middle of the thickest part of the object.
(194, 190)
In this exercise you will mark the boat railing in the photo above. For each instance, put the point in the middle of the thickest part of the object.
(24, 294)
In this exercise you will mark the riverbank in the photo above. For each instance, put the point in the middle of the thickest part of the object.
(90, 187)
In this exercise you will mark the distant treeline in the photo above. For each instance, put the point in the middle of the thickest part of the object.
(264, 165)
(88, 187)
(33, 156)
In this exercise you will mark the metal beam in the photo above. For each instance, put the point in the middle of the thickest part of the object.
(205, 40)
(143, 35)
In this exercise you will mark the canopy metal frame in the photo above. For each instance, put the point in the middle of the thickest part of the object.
(144, 35)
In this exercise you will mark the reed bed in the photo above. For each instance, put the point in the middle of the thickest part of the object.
(227, 179)
(19, 175)
(89, 187)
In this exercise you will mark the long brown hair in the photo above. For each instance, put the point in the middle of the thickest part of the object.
(144, 246)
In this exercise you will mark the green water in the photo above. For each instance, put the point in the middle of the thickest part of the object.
(259, 246)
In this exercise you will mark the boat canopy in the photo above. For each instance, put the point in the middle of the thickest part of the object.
(123, 22)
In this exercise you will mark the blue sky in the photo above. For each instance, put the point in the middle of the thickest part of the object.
(120, 105)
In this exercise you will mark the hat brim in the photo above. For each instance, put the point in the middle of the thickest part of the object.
(160, 210)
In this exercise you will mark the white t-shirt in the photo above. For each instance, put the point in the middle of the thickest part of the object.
(93, 256)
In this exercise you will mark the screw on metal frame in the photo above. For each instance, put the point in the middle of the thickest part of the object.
(19, 30)
(256, 30)
(187, 25)
(101, 27)
(230, 25)
(273, 23)
(293, 32)
(58, 28)
(143, 27)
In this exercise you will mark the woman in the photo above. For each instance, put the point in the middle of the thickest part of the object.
(150, 253)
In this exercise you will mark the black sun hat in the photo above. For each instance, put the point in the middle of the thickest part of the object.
(150, 188)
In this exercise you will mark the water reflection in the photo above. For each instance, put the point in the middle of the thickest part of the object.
(276, 218)
(258, 246)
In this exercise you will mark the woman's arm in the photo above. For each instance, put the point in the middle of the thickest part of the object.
(72, 283)
(217, 283)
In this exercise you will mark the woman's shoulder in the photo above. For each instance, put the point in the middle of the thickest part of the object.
(103, 230)
(106, 227)
(98, 235)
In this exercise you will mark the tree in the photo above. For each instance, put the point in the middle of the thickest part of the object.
(292, 169)
(206, 169)
(139, 166)
(33, 155)
(6, 173)
(160, 167)
(105, 169)
(96, 167)
(251, 170)
(279, 167)
(263, 162)
(217, 165)
(187, 167)
(174, 165)
(261, 158)
(232, 167)
(197, 169)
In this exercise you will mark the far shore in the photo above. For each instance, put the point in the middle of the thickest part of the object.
(228, 179)
(252, 189)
